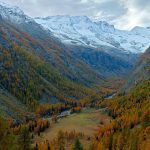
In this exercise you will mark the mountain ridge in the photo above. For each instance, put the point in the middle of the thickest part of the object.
(81, 30)
(70, 30)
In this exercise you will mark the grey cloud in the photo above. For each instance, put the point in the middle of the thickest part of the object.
(141, 4)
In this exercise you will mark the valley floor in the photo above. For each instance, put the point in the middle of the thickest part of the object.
(87, 122)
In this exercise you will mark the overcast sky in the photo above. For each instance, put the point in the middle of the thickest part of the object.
(124, 14)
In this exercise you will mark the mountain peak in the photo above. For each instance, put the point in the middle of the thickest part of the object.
(13, 13)
(15, 9)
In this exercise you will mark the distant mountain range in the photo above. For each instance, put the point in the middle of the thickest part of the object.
(83, 31)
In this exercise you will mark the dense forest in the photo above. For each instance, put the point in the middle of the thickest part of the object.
(130, 110)
(130, 126)
(28, 78)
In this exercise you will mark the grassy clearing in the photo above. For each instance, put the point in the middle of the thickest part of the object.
(86, 122)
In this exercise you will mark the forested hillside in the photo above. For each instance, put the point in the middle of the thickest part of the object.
(32, 37)
(32, 80)
(130, 126)
(28, 77)
(140, 73)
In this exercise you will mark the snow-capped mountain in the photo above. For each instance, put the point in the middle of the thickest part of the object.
(13, 13)
(81, 30)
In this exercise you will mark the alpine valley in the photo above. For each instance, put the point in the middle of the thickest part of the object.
(72, 82)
